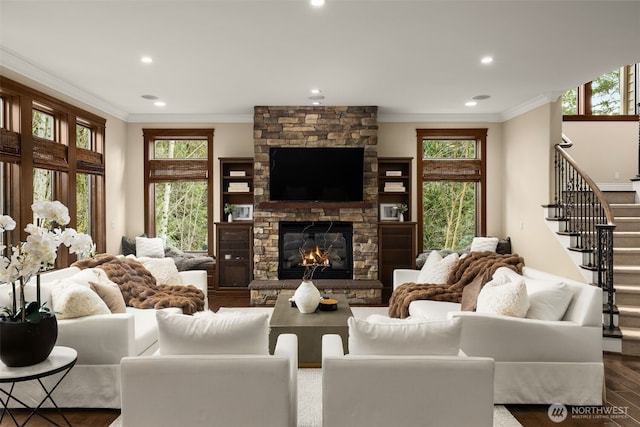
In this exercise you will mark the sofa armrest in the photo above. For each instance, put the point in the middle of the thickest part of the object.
(197, 278)
(287, 346)
(513, 339)
(332, 346)
(102, 339)
(404, 275)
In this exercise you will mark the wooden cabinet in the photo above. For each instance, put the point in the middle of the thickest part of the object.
(397, 249)
(234, 240)
(394, 186)
(234, 254)
(234, 258)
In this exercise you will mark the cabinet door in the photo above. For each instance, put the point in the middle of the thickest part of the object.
(397, 250)
(234, 255)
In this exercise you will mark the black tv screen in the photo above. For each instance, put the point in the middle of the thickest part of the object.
(326, 174)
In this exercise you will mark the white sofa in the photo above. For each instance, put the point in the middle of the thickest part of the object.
(537, 361)
(386, 390)
(101, 341)
(212, 390)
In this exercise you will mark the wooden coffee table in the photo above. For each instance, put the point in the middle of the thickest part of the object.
(309, 328)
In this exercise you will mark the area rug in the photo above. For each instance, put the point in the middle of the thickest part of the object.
(310, 403)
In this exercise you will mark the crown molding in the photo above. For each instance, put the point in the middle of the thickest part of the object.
(439, 118)
(20, 65)
(529, 105)
(189, 118)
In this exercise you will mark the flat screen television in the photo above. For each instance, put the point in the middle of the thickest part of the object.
(323, 174)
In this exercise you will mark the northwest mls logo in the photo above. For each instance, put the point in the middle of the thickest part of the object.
(557, 412)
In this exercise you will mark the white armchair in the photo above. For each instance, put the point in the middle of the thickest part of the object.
(212, 390)
(370, 391)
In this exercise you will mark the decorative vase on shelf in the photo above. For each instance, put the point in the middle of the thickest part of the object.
(307, 297)
(400, 217)
(229, 217)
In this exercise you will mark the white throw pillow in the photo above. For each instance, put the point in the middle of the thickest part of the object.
(163, 269)
(504, 297)
(484, 244)
(422, 338)
(211, 333)
(549, 300)
(152, 247)
(71, 300)
(437, 271)
(84, 277)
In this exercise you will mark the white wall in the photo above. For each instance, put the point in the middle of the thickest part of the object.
(528, 149)
(400, 140)
(606, 151)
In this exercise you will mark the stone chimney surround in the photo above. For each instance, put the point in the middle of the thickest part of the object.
(330, 126)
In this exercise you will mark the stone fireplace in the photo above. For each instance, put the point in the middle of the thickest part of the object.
(315, 127)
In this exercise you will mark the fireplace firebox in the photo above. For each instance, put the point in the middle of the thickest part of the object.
(332, 241)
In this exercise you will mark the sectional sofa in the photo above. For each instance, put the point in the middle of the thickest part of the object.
(101, 341)
(557, 359)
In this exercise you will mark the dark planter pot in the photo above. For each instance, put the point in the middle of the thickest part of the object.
(24, 343)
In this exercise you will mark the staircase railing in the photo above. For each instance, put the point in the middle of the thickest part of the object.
(588, 219)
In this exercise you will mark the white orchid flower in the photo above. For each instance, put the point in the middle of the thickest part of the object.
(7, 223)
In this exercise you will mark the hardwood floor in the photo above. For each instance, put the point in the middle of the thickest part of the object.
(622, 376)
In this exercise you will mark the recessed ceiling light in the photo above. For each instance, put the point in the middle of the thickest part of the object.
(150, 97)
(315, 91)
(317, 3)
(487, 60)
(146, 59)
(481, 97)
(316, 102)
(471, 103)
(159, 103)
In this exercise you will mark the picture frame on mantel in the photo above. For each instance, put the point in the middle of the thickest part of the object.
(388, 212)
(243, 213)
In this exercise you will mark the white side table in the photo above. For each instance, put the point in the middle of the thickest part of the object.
(61, 359)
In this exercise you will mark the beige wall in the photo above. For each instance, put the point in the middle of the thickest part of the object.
(606, 151)
(399, 140)
(229, 140)
(528, 146)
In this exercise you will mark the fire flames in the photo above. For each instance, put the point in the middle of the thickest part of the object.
(313, 259)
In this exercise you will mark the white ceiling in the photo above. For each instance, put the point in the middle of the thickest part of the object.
(216, 60)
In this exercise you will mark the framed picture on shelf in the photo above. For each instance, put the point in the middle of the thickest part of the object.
(243, 212)
(388, 212)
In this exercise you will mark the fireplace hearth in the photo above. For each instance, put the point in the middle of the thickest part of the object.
(329, 243)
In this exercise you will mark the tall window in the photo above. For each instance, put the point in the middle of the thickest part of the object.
(50, 150)
(610, 96)
(452, 165)
(179, 187)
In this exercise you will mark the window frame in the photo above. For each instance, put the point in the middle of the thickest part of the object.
(58, 155)
(480, 136)
(196, 174)
(584, 95)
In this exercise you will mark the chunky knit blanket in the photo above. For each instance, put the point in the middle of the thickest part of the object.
(463, 273)
(139, 288)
